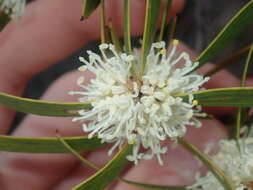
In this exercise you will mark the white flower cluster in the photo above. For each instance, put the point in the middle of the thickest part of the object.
(13, 8)
(142, 113)
(236, 164)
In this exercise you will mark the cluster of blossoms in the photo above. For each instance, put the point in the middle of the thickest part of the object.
(236, 163)
(13, 8)
(143, 113)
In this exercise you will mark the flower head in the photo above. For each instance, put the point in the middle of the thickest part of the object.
(13, 8)
(142, 113)
(236, 163)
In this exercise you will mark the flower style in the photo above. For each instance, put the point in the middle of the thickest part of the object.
(145, 112)
(13, 8)
(236, 164)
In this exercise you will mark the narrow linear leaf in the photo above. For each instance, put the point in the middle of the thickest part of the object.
(88, 7)
(41, 107)
(102, 22)
(76, 154)
(127, 26)
(234, 27)
(127, 34)
(238, 125)
(154, 187)
(226, 97)
(211, 166)
(164, 19)
(170, 30)
(151, 20)
(243, 80)
(246, 67)
(47, 145)
(107, 174)
(115, 38)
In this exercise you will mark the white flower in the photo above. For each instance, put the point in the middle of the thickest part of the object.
(236, 164)
(13, 8)
(142, 113)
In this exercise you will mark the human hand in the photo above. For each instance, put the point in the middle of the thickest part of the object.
(44, 36)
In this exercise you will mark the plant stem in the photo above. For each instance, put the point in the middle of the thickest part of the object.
(102, 22)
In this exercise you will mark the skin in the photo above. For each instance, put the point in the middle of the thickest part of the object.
(44, 36)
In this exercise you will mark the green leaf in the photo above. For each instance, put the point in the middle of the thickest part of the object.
(151, 20)
(226, 97)
(102, 22)
(88, 7)
(211, 166)
(127, 26)
(243, 80)
(246, 67)
(238, 125)
(164, 19)
(40, 107)
(115, 39)
(47, 145)
(234, 28)
(170, 30)
(76, 154)
(108, 173)
(154, 187)
(127, 34)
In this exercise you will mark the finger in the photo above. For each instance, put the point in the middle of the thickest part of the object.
(36, 126)
(249, 81)
(179, 165)
(49, 31)
(221, 79)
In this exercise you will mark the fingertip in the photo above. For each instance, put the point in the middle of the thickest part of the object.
(177, 6)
